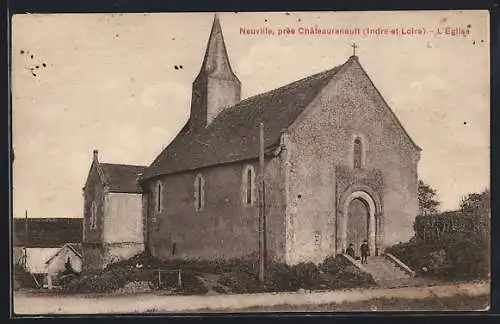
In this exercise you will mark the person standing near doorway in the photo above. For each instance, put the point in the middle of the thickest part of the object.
(350, 251)
(365, 252)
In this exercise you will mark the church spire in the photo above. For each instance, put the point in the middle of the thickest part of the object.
(216, 87)
(216, 58)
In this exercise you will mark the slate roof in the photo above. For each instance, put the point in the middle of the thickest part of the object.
(48, 232)
(122, 178)
(234, 133)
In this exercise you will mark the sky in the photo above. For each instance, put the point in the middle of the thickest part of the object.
(109, 82)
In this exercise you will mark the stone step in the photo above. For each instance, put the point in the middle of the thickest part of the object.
(384, 270)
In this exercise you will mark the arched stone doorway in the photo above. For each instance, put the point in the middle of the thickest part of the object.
(358, 221)
(358, 215)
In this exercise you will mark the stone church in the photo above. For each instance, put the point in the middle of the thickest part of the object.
(339, 169)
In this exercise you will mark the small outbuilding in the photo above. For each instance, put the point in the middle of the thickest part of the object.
(56, 265)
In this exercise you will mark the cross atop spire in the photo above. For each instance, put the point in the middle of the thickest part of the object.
(354, 46)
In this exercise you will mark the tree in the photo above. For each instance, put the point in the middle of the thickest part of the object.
(476, 203)
(427, 199)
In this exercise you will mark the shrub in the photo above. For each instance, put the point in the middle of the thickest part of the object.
(342, 274)
(333, 264)
(434, 228)
(280, 277)
(307, 275)
(416, 254)
(97, 281)
(244, 278)
(115, 277)
(241, 282)
(455, 256)
(195, 266)
(468, 256)
(338, 273)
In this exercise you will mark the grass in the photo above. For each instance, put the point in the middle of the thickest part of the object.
(455, 303)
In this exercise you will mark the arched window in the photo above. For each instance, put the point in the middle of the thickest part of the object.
(199, 192)
(93, 215)
(159, 198)
(357, 153)
(248, 185)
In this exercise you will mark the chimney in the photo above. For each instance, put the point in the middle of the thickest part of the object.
(96, 155)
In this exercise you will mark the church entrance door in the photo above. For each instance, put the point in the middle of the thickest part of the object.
(357, 223)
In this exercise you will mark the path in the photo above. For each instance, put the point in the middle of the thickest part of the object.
(141, 303)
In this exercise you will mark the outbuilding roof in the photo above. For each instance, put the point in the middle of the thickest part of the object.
(47, 232)
(122, 178)
(76, 248)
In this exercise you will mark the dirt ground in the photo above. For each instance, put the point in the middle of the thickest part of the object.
(455, 303)
(343, 300)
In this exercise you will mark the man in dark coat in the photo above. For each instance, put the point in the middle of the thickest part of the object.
(350, 251)
(365, 252)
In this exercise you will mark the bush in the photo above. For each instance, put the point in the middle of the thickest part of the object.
(342, 274)
(280, 277)
(195, 266)
(117, 276)
(244, 278)
(307, 275)
(338, 273)
(240, 281)
(97, 281)
(64, 280)
(433, 228)
(334, 264)
(239, 275)
(456, 256)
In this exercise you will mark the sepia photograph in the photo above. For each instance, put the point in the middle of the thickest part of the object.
(236, 162)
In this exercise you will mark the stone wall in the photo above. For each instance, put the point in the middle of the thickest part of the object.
(93, 191)
(225, 227)
(123, 221)
(115, 252)
(92, 237)
(322, 140)
(92, 256)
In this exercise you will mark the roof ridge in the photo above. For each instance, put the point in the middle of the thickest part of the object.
(122, 164)
(307, 78)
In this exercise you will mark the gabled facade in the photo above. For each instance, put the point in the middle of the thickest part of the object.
(113, 225)
(353, 171)
(56, 264)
